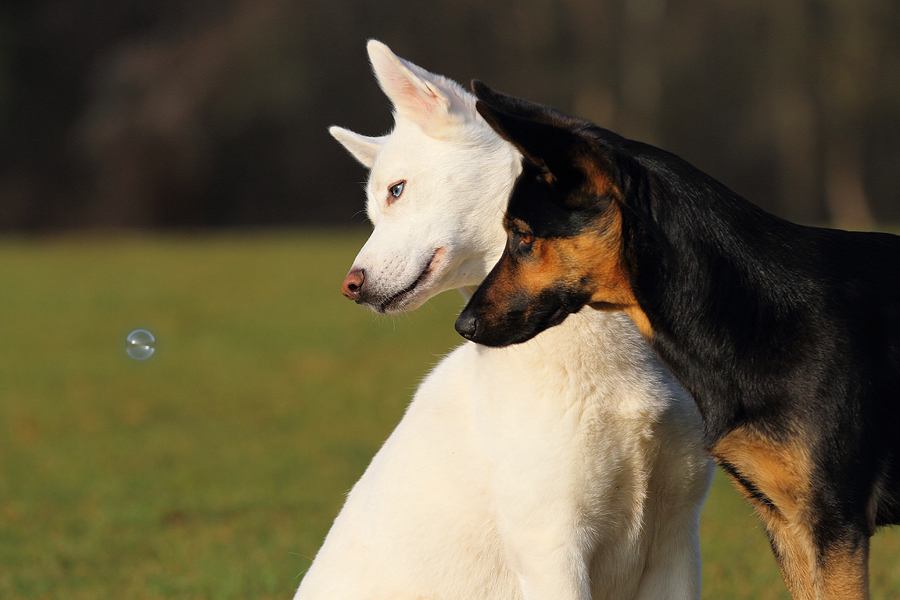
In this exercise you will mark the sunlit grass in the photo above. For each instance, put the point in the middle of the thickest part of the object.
(214, 468)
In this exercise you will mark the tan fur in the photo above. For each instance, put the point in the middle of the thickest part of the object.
(598, 179)
(600, 251)
(603, 253)
(592, 261)
(783, 473)
(845, 573)
(841, 574)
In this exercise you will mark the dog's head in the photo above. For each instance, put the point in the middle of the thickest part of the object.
(435, 194)
(564, 224)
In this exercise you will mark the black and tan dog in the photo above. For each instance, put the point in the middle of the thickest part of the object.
(788, 337)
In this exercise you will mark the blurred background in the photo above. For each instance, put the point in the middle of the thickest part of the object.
(213, 113)
(185, 145)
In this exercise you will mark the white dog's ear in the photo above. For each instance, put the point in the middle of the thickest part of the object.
(363, 148)
(416, 93)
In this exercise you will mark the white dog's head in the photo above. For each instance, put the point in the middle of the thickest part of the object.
(438, 185)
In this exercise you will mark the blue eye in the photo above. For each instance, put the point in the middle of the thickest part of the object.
(395, 190)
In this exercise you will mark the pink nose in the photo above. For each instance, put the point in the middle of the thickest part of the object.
(353, 283)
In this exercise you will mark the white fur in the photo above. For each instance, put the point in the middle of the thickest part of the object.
(568, 467)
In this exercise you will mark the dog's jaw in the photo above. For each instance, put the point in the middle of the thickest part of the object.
(406, 299)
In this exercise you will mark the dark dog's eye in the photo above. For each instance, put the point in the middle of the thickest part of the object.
(395, 191)
(523, 241)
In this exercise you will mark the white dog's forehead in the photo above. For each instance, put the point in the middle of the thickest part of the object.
(409, 155)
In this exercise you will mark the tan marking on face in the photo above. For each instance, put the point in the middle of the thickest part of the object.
(518, 225)
(590, 262)
(530, 276)
(506, 282)
(614, 291)
(566, 261)
(598, 254)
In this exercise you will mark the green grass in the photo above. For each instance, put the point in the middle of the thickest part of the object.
(214, 469)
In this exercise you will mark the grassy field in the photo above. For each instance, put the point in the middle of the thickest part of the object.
(214, 468)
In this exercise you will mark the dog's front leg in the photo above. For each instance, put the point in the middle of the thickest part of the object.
(817, 571)
(673, 565)
(537, 487)
(545, 552)
(537, 472)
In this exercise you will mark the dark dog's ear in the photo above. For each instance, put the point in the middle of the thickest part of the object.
(555, 142)
(544, 136)
(512, 105)
(524, 134)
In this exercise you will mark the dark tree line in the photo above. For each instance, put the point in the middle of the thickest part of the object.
(171, 113)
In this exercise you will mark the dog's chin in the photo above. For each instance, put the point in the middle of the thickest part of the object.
(404, 303)
(553, 319)
(416, 293)
(510, 333)
(529, 331)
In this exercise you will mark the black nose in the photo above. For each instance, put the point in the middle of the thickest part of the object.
(467, 325)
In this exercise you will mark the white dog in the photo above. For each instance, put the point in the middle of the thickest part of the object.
(569, 467)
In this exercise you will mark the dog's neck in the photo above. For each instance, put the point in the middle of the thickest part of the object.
(712, 272)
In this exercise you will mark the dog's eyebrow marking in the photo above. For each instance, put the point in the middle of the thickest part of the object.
(516, 224)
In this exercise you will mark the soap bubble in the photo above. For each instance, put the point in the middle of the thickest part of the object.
(140, 344)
